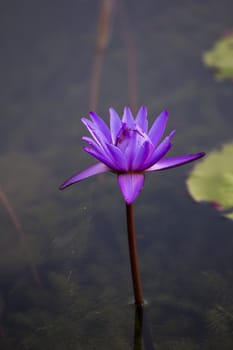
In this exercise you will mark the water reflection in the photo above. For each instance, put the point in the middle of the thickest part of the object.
(104, 28)
(21, 235)
(102, 40)
(142, 335)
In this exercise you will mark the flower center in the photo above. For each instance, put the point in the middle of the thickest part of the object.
(127, 135)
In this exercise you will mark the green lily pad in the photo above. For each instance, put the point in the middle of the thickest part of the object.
(212, 180)
(220, 57)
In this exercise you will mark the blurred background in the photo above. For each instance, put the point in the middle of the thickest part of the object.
(64, 269)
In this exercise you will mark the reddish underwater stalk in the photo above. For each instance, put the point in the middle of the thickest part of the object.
(6, 203)
(103, 34)
(137, 286)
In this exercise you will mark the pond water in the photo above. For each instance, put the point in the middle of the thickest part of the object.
(64, 268)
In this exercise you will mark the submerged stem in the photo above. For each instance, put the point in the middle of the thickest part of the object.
(137, 286)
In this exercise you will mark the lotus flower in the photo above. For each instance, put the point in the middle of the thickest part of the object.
(128, 149)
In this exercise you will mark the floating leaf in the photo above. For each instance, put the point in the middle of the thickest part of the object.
(212, 180)
(220, 57)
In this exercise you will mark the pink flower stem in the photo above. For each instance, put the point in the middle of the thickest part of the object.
(137, 285)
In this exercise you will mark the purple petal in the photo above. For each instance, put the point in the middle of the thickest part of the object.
(92, 130)
(101, 125)
(130, 185)
(141, 119)
(115, 124)
(159, 152)
(92, 143)
(158, 127)
(131, 149)
(172, 162)
(104, 153)
(92, 170)
(118, 158)
(103, 158)
(128, 117)
(141, 156)
(100, 138)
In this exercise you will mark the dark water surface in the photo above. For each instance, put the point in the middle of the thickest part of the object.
(64, 271)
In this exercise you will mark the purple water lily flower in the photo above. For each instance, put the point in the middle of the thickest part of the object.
(128, 149)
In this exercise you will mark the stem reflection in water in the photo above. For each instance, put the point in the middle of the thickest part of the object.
(142, 336)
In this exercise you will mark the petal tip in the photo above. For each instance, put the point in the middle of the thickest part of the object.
(143, 109)
(200, 155)
(130, 186)
(164, 114)
(64, 185)
(172, 133)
